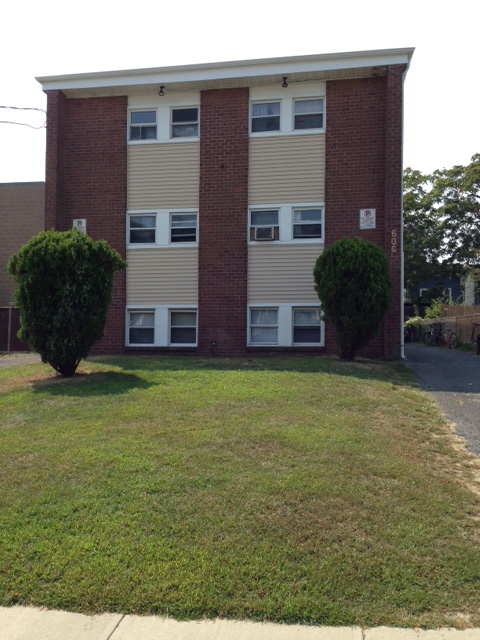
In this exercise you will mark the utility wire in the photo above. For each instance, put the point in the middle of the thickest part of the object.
(23, 124)
(23, 108)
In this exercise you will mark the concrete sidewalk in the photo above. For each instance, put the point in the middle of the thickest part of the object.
(29, 623)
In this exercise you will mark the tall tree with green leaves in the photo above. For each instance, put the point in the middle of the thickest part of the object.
(441, 222)
(65, 283)
(455, 195)
(353, 283)
(422, 231)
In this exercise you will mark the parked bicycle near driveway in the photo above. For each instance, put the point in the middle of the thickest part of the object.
(436, 336)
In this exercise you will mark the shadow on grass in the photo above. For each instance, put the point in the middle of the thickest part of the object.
(362, 368)
(97, 383)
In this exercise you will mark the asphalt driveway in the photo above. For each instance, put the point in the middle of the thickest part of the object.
(452, 378)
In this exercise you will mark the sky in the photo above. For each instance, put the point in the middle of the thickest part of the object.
(441, 123)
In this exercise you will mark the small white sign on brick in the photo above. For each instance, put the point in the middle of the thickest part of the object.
(80, 224)
(368, 218)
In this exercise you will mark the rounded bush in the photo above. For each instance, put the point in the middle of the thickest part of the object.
(65, 282)
(353, 283)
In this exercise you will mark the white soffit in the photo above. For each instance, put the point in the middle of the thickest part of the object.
(245, 73)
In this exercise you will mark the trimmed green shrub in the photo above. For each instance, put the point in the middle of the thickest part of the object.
(65, 282)
(353, 283)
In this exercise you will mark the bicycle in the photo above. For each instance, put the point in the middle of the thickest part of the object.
(436, 337)
(431, 337)
(476, 324)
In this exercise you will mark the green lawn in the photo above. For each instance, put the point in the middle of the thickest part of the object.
(294, 490)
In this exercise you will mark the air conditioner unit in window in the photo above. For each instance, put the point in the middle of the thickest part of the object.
(264, 233)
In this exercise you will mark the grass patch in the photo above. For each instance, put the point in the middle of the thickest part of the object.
(296, 490)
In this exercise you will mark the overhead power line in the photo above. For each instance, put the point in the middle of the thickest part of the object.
(23, 124)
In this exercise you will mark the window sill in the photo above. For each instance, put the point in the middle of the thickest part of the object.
(293, 132)
(286, 242)
(135, 143)
(173, 245)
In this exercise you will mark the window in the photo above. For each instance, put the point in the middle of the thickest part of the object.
(143, 125)
(307, 326)
(142, 229)
(287, 223)
(264, 326)
(183, 327)
(141, 327)
(307, 223)
(265, 117)
(185, 122)
(183, 227)
(308, 114)
(264, 225)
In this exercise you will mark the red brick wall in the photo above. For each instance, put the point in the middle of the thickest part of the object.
(393, 206)
(55, 161)
(364, 170)
(86, 177)
(22, 216)
(222, 279)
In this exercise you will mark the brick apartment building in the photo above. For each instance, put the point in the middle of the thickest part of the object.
(220, 184)
(22, 215)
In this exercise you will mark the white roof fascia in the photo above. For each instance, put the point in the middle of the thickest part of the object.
(227, 70)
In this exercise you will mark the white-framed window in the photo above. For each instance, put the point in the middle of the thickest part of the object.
(300, 223)
(264, 224)
(170, 119)
(143, 125)
(264, 325)
(141, 327)
(307, 325)
(285, 324)
(298, 109)
(142, 229)
(308, 114)
(265, 117)
(183, 227)
(307, 223)
(183, 327)
(184, 122)
(161, 326)
(162, 228)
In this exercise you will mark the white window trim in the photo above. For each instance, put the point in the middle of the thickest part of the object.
(285, 325)
(285, 222)
(267, 307)
(287, 96)
(131, 214)
(142, 309)
(172, 124)
(304, 307)
(162, 228)
(163, 106)
(313, 129)
(161, 325)
(180, 344)
(139, 126)
(252, 117)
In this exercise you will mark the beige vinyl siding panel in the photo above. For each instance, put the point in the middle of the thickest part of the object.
(287, 169)
(163, 175)
(162, 276)
(282, 273)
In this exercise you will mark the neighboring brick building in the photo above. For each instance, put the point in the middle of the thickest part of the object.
(221, 184)
(22, 215)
